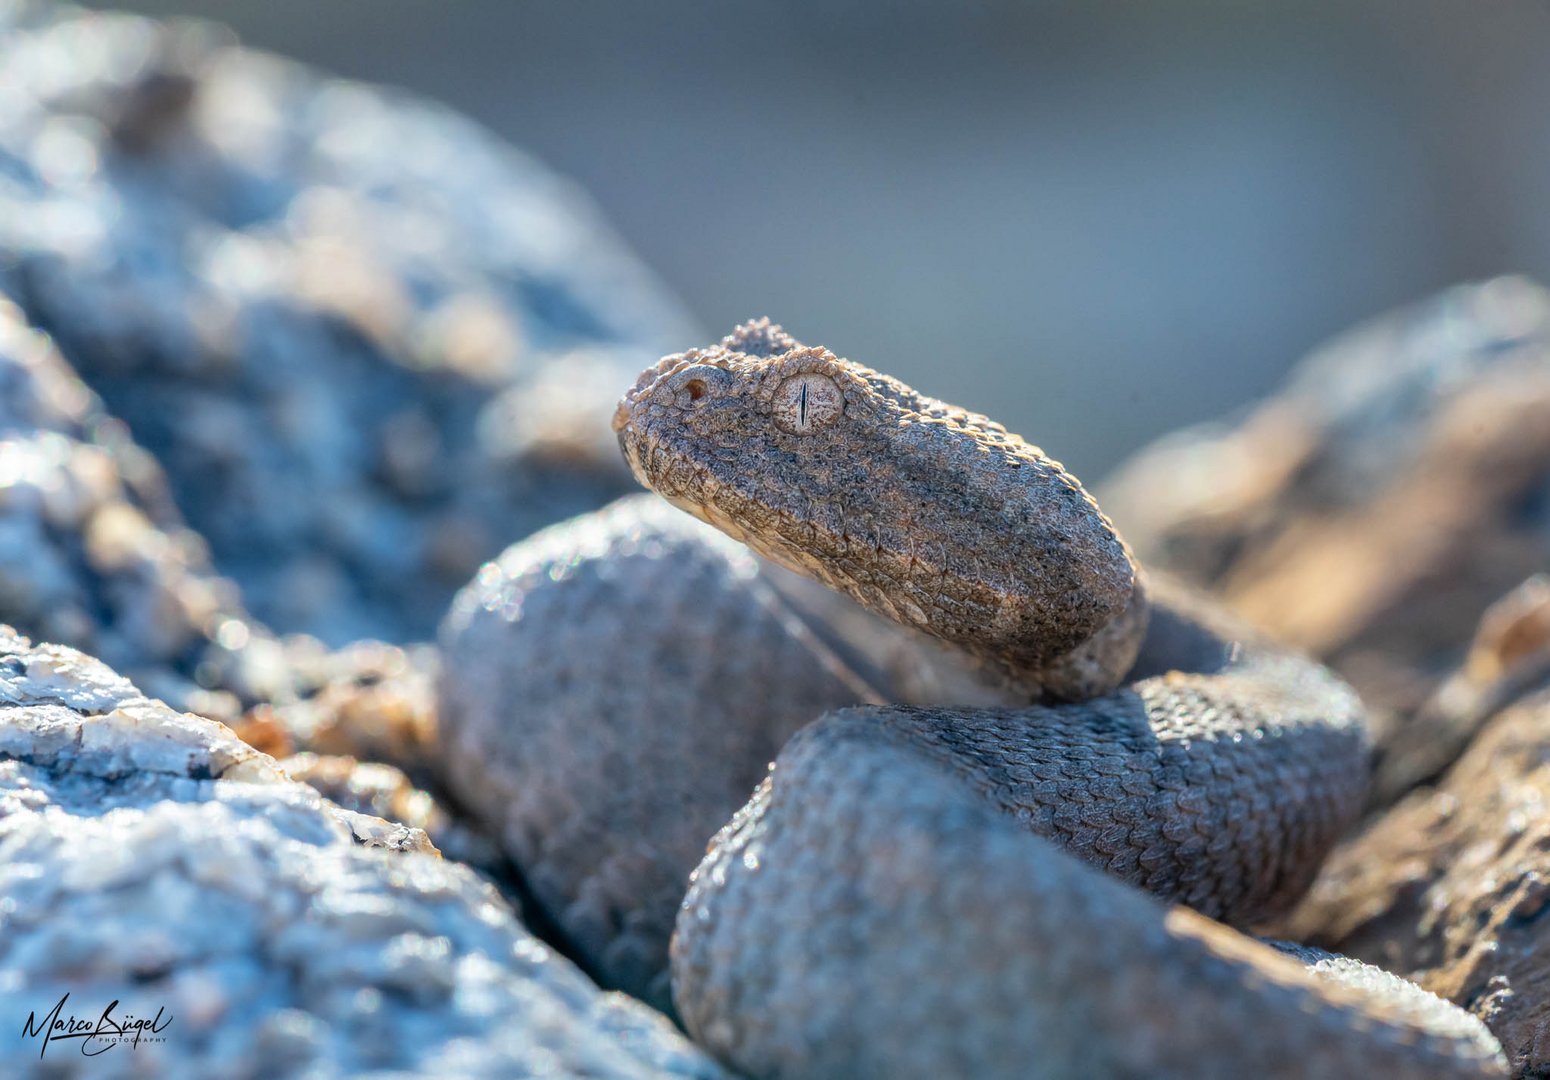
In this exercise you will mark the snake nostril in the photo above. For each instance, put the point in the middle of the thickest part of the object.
(696, 389)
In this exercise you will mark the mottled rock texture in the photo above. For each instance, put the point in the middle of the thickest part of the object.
(368, 700)
(1369, 511)
(340, 372)
(1452, 884)
(94, 554)
(150, 857)
(369, 343)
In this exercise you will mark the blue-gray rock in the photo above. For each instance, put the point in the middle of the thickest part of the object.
(369, 343)
(94, 554)
(152, 859)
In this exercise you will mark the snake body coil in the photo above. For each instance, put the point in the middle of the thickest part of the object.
(929, 892)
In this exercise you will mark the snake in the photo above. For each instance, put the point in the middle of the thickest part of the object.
(1061, 887)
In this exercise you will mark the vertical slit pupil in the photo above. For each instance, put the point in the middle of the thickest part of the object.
(803, 414)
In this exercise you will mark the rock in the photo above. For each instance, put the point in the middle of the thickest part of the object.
(153, 859)
(346, 417)
(1505, 658)
(360, 728)
(369, 343)
(377, 790)
(94, 554)
(369, 700)
(1369, 511)
(1452, 883)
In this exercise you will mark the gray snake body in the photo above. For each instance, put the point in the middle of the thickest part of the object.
(930, 892)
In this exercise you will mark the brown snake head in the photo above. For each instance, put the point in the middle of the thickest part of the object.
(924, 512)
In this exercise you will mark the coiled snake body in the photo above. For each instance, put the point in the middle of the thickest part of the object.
(935, 892)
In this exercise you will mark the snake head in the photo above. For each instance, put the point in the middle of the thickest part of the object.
(737, 426)
(924, 512)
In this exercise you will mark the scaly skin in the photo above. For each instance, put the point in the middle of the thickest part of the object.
(912, 892)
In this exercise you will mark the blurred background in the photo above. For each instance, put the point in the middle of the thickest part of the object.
(1096, 222)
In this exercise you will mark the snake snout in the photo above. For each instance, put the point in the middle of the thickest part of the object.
(693, 383)
(621, 417)
(644, 386)
(677, 386)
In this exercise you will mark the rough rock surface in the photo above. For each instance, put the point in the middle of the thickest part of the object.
(370, 787)
(93, 553)
(368, 700)
(354, 416)
(1397, 485)
(152, 858)
(1452, 884)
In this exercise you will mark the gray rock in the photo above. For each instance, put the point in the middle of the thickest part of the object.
(363, 337)
(93, 553)
(153, 859)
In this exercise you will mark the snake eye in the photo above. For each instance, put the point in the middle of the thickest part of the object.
(807, 402)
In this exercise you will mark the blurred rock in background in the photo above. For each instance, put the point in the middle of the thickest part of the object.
(1371, 510)
(281, 352)
(282, 361)
(93, 552)
(1095, 222)
(368, 343)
